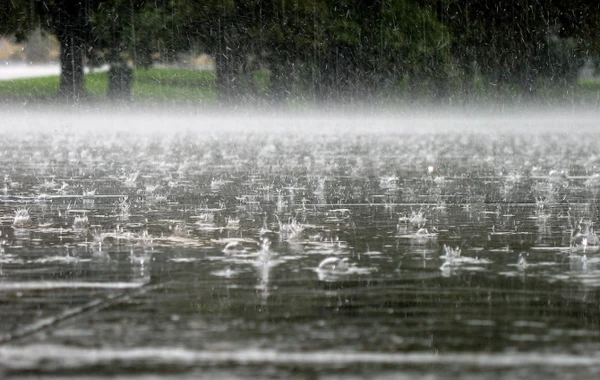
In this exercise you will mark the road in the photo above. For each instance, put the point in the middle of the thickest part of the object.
(20, 70)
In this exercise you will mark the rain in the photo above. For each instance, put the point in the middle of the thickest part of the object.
(299, 189)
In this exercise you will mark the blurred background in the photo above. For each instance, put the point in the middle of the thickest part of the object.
(306, 52)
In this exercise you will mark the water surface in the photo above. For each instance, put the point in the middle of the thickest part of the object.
(302, 247)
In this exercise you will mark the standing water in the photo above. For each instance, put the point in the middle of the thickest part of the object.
(322, 246)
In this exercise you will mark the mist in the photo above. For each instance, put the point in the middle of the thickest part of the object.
(340, 120)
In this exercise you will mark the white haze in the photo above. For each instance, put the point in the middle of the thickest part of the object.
(337, 121)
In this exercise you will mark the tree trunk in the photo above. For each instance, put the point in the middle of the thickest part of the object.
(72, 85)
(327, 87)
(468, 78)
(69, 22)
(281, 81)
(227, 63)
(227, 86)
(120, 78)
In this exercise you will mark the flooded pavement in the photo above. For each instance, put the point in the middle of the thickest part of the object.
(216, 252)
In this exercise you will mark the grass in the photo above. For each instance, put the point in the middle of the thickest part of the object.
(25, 89)
(181, 86)
(174, 85)
(150, 85)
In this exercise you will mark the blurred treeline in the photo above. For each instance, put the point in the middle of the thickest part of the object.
(329, 50)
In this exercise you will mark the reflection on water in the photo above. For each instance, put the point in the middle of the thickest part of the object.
(318, 251)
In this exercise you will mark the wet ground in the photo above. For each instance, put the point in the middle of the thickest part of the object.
(234, 251)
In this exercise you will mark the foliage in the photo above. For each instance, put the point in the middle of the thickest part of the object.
(192, 87)
(334, 50)
(18, 18)
(522, 43)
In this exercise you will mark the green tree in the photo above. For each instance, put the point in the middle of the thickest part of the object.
(521, 44)
(68, 21)
(367, 48)
(18, 18)
(127, 33)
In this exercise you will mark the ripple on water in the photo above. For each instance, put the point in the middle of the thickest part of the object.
(49, 285)
(198, 205)
(172, 359)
